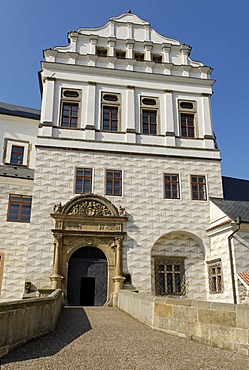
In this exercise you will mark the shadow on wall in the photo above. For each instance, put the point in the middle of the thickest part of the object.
(68, 329)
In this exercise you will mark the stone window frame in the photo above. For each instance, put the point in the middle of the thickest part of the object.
(171, 182)
(84, 179)
(68, 101)
(149, 108)
(201, 187)
(167, 261)
(215, 276)
(112, 178)
(20, 202)
(186, 115)
(9, 144)
(1, 269)
(111, 105)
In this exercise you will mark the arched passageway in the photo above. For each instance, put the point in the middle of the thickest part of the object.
(87, 277)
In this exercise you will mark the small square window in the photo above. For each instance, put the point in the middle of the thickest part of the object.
(19, 208)
(139, 57)
(101, 52)
(157, 58)
(120, 54)
(114, 182)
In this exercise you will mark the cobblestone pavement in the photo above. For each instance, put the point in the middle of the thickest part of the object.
(104, 338)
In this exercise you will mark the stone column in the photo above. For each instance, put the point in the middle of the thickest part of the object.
(56, 277)
(118, 278)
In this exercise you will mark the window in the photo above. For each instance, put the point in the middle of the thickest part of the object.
(157, 58)
(17, 153)
(139, 57)
(169, 275)
(149, 115)
(83, 181)
(113, 182)
(171, 186)
(187, 114)
(1, 269)
(102, 52)
(198, 187)
(70, 108)
(110, 112)
(19, 208)
(120, 54)
(215, 276)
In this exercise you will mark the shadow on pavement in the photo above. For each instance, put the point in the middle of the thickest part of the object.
(73, 323)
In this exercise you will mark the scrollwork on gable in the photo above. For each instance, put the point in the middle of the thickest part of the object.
(90, 208)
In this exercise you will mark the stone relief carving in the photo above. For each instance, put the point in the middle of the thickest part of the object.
(110, 227)
(90, 208)
(121, 211)
(57, 208)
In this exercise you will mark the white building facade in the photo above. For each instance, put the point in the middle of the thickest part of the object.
(125, 165)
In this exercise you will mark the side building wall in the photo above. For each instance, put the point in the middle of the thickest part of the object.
(14, 238)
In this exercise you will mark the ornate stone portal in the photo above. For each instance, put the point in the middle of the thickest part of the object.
(85, 221)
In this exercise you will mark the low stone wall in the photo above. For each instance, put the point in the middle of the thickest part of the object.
(220, 324)
(23, 320)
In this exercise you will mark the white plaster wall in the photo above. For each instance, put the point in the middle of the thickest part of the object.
(150, 216)
(18, 128)
(13, 240)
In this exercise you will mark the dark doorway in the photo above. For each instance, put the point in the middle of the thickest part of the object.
(87, 291)
(87, 277)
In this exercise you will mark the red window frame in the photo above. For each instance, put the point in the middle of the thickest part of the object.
(19, 208)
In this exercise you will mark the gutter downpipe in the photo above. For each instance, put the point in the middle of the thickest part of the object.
(238, 222)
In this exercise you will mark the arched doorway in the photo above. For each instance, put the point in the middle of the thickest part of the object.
(87, 277)
(87, 223)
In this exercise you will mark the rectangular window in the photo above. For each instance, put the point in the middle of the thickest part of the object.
(139, 57)
(215, 276)
(149, 115)
(1, 269)
(171, 186)
(110, 112)
(83, 181)
(19, 208)
(70, 115)
(187, 115)
(170, 275)
(101, 52)
(114, 182)
(17, 153)
(198, 187)
(157, 58)
(70, 104)
(120, 54)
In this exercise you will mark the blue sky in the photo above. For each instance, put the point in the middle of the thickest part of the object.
(217, 31)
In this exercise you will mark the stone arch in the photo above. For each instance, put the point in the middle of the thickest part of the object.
(188, 250)
(88, 220)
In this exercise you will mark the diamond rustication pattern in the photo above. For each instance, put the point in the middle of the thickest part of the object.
(150, 216)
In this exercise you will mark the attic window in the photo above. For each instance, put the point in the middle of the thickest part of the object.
(186, 105)
(120, 54)
(147, 101)
(102, 52)
(157, 58)
(110, 97)
(139, 57)
(71, 94)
